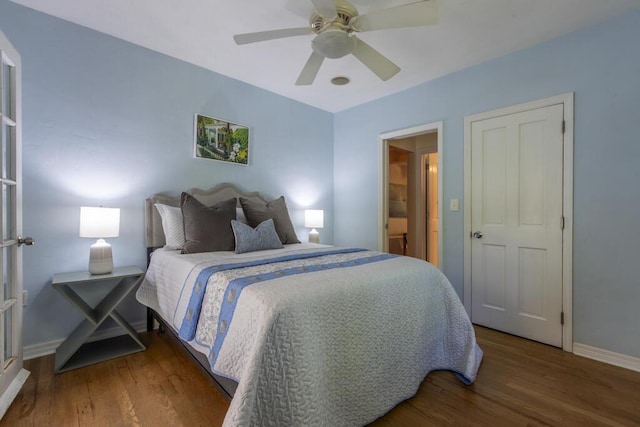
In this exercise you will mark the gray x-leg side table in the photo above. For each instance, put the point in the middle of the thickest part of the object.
(75, 352)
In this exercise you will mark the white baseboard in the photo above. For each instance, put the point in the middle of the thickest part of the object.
(45, 348)
(606, 356)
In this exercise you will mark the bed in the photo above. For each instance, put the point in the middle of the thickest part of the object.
(304, 334)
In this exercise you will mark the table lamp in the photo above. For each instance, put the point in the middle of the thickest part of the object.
(314, 219)
(99, 223)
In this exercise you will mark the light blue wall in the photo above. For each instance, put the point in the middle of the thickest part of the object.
(110, 123)
(602, 66)
(107, 122)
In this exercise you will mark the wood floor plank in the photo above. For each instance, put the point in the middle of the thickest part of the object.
(520, 383)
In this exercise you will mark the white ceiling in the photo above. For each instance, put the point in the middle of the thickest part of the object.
(200, 32)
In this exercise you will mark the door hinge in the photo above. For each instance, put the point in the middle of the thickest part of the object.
(562, 223)
(562, 317)
(564, 127)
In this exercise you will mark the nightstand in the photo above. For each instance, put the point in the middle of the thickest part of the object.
(75, 352)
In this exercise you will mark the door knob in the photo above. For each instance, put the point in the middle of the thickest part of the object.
(477, 235)
(25, 241)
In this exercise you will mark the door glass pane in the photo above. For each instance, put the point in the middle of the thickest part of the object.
(6, 91)
(7, 279)
(2, 344)
(8, 224)
(7, 150)
(8, 334)
(4, 139)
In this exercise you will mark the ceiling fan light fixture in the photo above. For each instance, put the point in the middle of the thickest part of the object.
(340, 80)
(333, 43)
(336, 22)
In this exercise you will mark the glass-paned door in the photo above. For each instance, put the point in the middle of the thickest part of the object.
(12, 375)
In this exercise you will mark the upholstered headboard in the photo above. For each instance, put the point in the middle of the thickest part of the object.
(154, 236)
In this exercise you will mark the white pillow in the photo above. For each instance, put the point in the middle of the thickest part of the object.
(172, 226)
(240, 216)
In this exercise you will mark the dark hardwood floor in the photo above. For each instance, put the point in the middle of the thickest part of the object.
(520, 383)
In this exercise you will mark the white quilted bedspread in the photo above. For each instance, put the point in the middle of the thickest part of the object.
(339, 347)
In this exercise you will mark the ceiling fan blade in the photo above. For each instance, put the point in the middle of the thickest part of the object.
(375, 61)
(327, 8)
(310, 70)
(271, 35)
(409, 15)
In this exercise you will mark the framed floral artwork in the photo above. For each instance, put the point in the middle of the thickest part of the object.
(217, 139)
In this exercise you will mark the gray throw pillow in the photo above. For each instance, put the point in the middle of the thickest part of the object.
(250, 239)
(257, 212)
(207, 229)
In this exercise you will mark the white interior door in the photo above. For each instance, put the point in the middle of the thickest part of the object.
(12, 375)
(432, 208)
(516, 223)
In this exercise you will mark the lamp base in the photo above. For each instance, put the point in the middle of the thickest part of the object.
(314, 236)
(100, 259)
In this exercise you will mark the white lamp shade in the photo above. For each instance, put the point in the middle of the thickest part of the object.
(99, 222)
(313, 218)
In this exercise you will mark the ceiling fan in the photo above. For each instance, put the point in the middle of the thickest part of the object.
(335, 23)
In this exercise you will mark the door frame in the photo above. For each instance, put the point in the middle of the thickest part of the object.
(567, 203)
(383, 179)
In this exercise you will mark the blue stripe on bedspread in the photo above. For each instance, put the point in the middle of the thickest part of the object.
(190, 321)
(235, 287)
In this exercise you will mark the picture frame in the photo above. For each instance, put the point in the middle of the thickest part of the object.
(217, 139)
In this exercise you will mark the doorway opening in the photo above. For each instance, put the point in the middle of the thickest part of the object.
(411, 193)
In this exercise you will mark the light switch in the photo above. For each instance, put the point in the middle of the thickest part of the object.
(453, 204)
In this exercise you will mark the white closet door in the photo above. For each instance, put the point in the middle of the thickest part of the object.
(516, 220)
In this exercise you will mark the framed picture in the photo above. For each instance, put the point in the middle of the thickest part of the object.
(217, 139)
